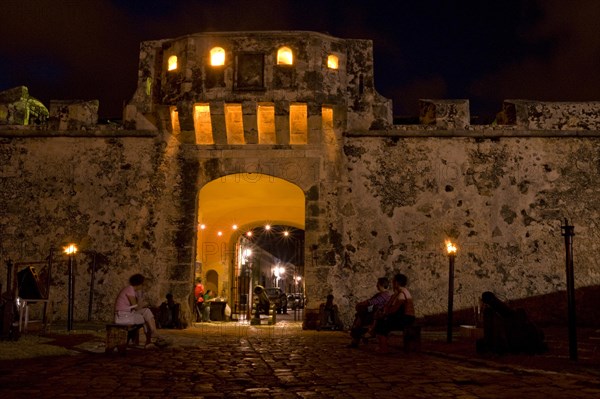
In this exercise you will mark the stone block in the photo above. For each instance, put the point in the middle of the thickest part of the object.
(538, 115)
(73, 114)
(445, 114)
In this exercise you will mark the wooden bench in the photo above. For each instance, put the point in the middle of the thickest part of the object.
(120, 335)
(411, 337)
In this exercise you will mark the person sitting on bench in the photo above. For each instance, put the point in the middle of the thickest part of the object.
(396, 314)
(329, 315)
(129, 309)
(366, 310)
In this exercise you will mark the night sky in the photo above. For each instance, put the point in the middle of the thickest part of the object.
(482, 50)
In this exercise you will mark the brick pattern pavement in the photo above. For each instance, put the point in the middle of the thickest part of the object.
(233, 361)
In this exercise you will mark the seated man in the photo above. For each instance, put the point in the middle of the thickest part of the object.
(396, 314)
(169, 314)
(329, 315)
(261, 301)
(366, 309)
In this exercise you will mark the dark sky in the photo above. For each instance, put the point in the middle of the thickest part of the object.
(482, 50)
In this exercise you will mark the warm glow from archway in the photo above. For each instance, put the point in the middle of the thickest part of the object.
(217, 56)
(332, 62)
(285, 56)
(172, 63)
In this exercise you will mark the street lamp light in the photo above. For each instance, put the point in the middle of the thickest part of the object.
(70, 250)
(278, 271)
(451, 250)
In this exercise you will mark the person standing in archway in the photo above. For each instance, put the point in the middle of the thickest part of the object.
(199, 295)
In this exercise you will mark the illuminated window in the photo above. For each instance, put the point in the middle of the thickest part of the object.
(234, 124)
(217, 56)
(266, 124)
(172, 63)
(285, 56)
(327, 125)
(175, 120)
(202, 124)
(333, 62)
(298, 124)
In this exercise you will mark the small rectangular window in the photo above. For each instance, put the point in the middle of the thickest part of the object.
(202, 124)
(298, 124)
(234, 124)
(266, 124)
(175, 128)
(327, 124)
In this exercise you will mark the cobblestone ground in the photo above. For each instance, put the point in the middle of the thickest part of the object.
(239, 361)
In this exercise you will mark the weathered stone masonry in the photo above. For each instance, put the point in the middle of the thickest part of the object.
(379, 198)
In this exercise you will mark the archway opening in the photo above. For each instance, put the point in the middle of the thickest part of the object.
(251, 232)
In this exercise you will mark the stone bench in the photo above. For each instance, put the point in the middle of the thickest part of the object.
(120, 335)
(411, 337)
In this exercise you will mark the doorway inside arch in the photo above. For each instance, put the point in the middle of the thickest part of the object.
(250, 232)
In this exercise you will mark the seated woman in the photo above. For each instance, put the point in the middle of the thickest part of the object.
(397, 313)
(129, 310)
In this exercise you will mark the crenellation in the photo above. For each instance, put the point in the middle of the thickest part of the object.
(539, 115)
(73, 114)
(445, 114)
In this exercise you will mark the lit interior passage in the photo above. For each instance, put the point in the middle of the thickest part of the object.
(266, 124)
(172, 63)
(175, 127)
(227, 205)
(234, 124)
(202, 124)
(298, 123)
(217, 56)
(285, 56)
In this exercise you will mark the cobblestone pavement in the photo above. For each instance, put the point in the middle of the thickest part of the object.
(227, 360)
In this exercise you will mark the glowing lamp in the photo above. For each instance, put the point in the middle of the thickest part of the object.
(450, 248)
(70, 249)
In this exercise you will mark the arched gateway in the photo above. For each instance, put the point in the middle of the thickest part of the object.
(236, 214)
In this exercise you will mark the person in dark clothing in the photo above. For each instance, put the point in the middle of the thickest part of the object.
(507, 330)
(168, 315)
(329, 315)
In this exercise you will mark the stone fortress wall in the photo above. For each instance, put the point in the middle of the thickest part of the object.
(384, 198)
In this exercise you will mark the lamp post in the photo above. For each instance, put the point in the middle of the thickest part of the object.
(70, 250)
(451, 250)
(246, 261)
(568, 232)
